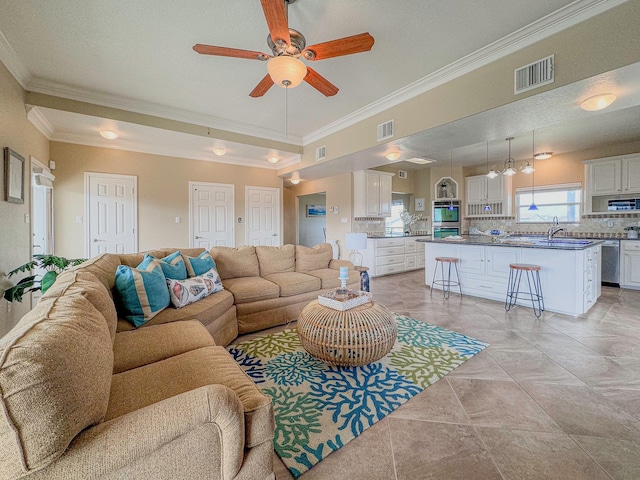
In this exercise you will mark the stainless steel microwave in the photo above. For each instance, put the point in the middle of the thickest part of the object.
(623, 204)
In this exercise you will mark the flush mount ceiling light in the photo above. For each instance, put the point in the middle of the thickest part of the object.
(543, 155)
(108, 134)
(419, 161)
(598, 102)
(295, 180)
(273, 160)
(219, 151)
(393, 156)
(286, 71)
(509, 162)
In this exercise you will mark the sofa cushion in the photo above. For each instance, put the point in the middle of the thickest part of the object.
(184, 292)
(276, 259)
(172, 265)
(308, 259)
(86, 284)
(140, 347)
(103, 266)
(329, 277)
(141, 294)
(293, 283)
(199, 265)
(55, 377)
(234, 262)
(205, 310)
(251, 289)
(137, 388)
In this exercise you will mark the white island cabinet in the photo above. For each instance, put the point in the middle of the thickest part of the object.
(387, 255)
(570, 278)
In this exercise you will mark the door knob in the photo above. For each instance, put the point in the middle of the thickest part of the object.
(97, 240)
(274, 235)
(198, 237)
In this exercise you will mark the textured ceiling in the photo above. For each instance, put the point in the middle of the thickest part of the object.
(138, 55)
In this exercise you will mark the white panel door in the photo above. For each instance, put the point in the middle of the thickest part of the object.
(212, 213)
(111, 211)
(262, 216)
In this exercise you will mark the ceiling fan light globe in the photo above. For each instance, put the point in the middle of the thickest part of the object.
(286, 71)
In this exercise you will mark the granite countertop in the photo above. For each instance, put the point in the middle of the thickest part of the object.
(520, 241)
(399, 235)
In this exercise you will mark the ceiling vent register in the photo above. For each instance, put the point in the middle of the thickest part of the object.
(321, 153)
(385, 130)
(534, 75)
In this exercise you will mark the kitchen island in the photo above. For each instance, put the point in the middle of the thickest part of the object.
(569, 268)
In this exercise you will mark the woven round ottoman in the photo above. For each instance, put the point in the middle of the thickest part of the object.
(348, 338)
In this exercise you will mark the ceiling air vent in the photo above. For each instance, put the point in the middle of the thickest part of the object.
(402, 174)
(321, 153)
(385, 130)
(534, 75)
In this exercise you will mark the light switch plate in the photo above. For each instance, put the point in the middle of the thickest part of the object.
(344, 220)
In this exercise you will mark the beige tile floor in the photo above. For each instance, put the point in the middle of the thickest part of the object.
(550, 398)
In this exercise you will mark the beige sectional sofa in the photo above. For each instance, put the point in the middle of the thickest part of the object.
(85, 395)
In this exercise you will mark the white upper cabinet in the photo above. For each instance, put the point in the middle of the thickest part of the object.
(631, 174)
(371, 193)
(481, 190)
(614, 177)
(606, 177)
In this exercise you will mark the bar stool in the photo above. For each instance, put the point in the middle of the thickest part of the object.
(533, 281)
(446, 283)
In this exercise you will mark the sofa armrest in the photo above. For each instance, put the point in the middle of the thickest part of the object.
(336, 264)
(108, 447)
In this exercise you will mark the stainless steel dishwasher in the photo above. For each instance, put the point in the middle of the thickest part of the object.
(611, 263)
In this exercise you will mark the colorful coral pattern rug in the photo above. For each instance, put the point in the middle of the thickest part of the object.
(320, 408)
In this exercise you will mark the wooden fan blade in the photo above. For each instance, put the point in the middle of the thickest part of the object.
(262, 88)
(320, 83)
(229, 52)
(276, 15)
(341, 46)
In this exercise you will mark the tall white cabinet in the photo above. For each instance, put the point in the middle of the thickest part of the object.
(371, 193)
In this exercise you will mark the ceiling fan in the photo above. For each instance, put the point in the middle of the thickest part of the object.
(288, 45)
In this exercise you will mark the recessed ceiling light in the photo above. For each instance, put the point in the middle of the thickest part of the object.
(419, 161)
(598, 102)
(219, 151)
(108, 134)
(543, 155)
(393, 156)
(273, 159)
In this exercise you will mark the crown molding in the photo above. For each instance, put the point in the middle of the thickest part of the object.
(35, 116)
(566, 17)
(142, 147)
(147, 108)
(9, 57)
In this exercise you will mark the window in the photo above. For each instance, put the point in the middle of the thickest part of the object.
(394, 221)
(562, 201)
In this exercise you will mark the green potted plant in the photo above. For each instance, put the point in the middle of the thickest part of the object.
(52, 264)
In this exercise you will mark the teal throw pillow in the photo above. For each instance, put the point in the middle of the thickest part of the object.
(172, 265)
(141, 293)
(199, 265)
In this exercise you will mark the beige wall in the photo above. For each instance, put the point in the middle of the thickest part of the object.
(598, 45)
(163, 192)
(15, 235)
(339, 193)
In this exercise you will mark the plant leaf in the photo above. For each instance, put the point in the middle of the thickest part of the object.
(48, 279)
(24, 268)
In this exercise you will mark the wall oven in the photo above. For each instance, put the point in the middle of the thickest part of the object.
(446, 218)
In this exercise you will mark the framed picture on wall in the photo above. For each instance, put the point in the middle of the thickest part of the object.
(316, 210)
(419, 205)
(13, 176)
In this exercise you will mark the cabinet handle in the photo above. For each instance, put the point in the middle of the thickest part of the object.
(484, 286)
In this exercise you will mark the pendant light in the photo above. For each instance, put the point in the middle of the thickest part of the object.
(451, 207)
(533, 206)
(487, 207)
(509, 162)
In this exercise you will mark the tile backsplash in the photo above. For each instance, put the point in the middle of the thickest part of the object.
(601, 226)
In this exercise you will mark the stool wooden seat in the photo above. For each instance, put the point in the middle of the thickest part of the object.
(532, 273)
(446, 282)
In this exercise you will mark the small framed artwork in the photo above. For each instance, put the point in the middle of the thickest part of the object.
(13, 176)
(316, 210)
(419, 205)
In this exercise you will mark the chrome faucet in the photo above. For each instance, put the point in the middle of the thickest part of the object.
(555, 228)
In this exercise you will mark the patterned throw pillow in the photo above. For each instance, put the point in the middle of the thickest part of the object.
(141, 293)
(173, 265)
(184, 292)
(199, 265)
